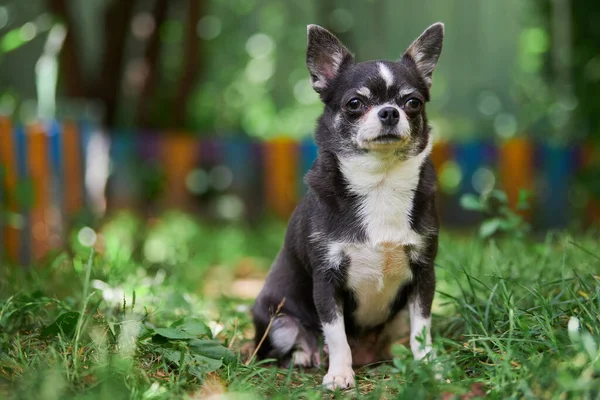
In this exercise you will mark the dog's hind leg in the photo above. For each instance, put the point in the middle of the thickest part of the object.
(292, 343)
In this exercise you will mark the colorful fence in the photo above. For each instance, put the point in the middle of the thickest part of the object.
(42, 185)
(44, 167)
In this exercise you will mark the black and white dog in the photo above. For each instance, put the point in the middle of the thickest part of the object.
(361, 244)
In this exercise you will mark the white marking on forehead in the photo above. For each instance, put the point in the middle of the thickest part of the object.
(364, 91)
(386, 74)
(405, 91)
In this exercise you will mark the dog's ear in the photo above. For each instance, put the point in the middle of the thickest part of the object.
(326, 57)
(426, 50)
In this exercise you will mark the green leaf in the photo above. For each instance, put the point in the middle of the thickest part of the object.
(173, 356)
(499, 195)
(194, 327)
(210, 348)
(11, 40)
(174, 333)
(200, 365)
(184, 329)
(508, 224)
(489, 227)
(65, 324)
(471, 202)
(197, 364)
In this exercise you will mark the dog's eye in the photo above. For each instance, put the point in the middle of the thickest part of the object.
(413, 105)
(354, 104)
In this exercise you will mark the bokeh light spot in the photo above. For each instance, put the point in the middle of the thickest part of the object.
(535, 40)
(450, 176)
(197, 181)
(483, 180)
(143, 25)
(209, 27)
(221, 177)
(505, 125)
(260, 45)
(259, 70)
(3, 17)
(16, 221)
(87, 236)
(489, 103)
(136, 73)
(155, 250)
(40, 231)
(341, 20)
(304, 93)
(28, 31)
(230, 207)
(43, 22)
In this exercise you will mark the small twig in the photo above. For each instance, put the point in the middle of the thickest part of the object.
(234, 332)
(266, 331)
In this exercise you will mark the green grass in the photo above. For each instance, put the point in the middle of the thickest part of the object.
(157, 313)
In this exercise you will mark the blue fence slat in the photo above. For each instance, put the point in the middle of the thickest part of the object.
(123, 181)
(470, 157)
(308, 155)
(23, 176)
(237, 159)
(556, 176)
(56, 164)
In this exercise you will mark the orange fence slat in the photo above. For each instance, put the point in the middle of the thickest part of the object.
(39, 170)
(281, 175)
(516, 168)
(440, 153)
(11, 234)
(180, 155)
(72, 169)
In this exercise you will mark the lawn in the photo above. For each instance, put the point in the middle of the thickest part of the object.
(160, 309)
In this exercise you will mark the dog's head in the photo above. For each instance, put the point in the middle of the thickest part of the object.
(376, 106)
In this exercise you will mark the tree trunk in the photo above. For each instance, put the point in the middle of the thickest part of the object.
(152, 60)
(191, 65)
(116, 25)
(70, 64)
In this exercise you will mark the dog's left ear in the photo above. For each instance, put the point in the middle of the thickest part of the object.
(326, 57)
(426, 50)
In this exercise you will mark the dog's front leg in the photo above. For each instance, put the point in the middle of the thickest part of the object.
(330, 310)
(419, 307)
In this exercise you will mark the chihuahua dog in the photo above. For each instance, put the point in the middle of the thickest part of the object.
(361, 244)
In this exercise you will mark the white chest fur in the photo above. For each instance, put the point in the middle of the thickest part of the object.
(379, 266)
(386, 189)
(375, 274)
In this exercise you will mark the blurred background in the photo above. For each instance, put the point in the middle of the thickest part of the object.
(205, 106)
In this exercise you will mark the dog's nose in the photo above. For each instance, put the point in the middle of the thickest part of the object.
(389, 116)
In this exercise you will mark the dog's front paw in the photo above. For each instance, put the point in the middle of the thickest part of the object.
(423, 353)
(342, 379)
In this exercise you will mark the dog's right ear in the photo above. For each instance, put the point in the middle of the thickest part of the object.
(326, 57)
(426, 50)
